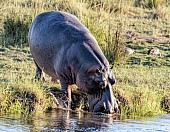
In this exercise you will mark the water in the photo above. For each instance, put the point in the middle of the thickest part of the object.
(60, 120)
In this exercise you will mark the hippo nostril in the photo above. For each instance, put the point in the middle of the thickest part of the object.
(101, 83)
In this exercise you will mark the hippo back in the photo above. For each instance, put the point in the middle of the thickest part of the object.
(51, 34)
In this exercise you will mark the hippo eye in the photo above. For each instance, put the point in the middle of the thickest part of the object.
(97, 71)
(94, 71)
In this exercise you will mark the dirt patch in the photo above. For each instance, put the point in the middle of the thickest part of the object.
(142, 38)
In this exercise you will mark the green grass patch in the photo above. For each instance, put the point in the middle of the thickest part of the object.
(141, 89)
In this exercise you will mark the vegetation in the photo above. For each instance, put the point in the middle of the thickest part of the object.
(18, 91)
(142, 86)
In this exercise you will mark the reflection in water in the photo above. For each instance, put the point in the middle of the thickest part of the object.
(60, 120)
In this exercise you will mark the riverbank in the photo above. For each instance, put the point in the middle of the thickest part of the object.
(140, 89)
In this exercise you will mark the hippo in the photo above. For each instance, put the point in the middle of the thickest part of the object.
(63, 48)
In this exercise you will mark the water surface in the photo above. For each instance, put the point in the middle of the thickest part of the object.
(60, 120)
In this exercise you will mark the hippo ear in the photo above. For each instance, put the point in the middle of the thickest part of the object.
(93, 69)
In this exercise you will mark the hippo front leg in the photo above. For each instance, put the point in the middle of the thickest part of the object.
(69, 97)
(66, 89)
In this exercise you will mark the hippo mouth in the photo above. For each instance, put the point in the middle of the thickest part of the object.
(103, 101)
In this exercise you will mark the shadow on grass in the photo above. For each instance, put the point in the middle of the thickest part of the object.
(134, 60)
(136, 47)
(150, 61)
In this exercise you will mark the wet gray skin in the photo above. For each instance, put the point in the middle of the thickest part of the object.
(104, 101)
(64, 48)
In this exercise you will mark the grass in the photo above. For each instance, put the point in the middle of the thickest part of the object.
(18, 91)
(141, 89)
(142, 80)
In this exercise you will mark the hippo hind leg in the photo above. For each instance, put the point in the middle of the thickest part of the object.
(66, 90)
(39, 73)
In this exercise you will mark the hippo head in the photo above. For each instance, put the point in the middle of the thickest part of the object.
(97, 82)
